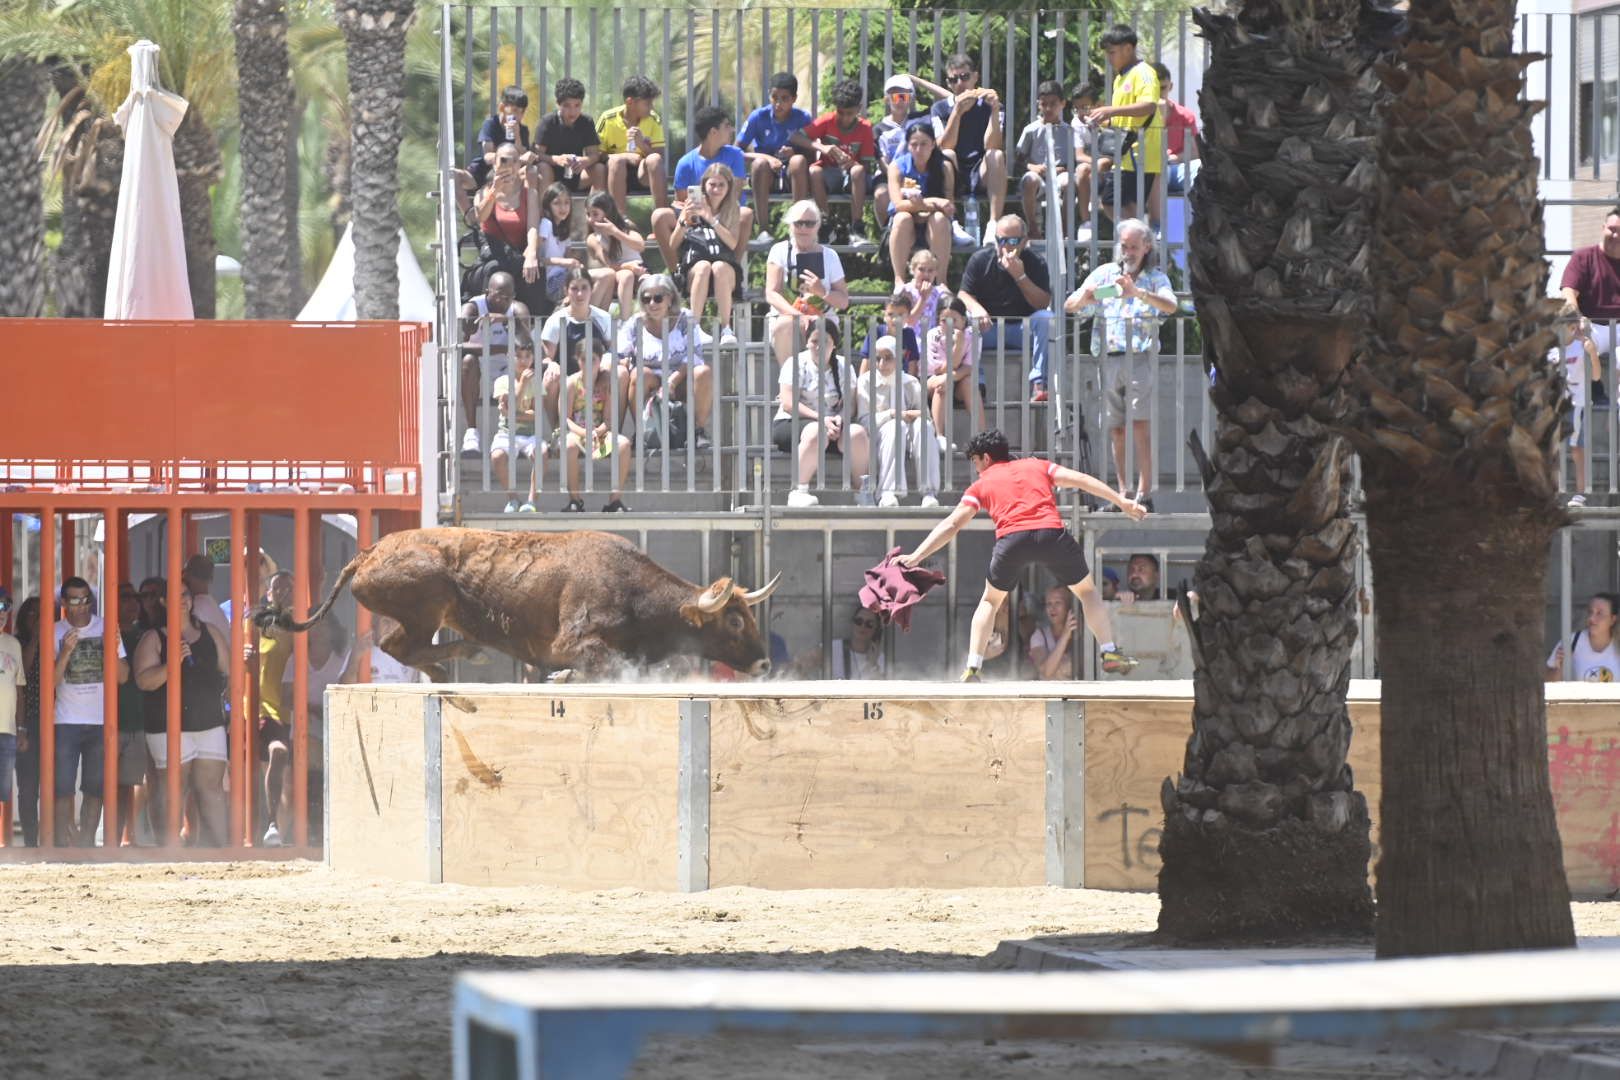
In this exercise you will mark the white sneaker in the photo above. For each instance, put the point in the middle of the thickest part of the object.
(929, 501)
(1577, 500)
(801, 497)
(762, 241)
(470, 446)
(1083, 234)
(272, 837)
(728, 337)
(959, 236)
(889, 499)
(861, 242)
(511, 507)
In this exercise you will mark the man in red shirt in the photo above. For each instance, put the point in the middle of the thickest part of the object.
(1591, 286)
(845, 142)
(1019, 497)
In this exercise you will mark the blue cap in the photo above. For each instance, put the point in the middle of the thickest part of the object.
(1110, 574)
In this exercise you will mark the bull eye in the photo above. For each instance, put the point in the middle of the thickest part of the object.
(734, 621)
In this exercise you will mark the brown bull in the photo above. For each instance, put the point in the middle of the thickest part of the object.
(580, 600)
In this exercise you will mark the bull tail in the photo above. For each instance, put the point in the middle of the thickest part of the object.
(282, 619)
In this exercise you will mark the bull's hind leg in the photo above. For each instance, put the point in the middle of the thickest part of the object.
(415, 648)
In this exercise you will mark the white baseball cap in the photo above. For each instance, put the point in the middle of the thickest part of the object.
(899, 82)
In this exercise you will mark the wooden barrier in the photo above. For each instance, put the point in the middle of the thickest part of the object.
(877, 784)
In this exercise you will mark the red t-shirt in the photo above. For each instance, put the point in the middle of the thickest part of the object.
(1181, 126)
(1017, 495)
(1596, 278)
(858, 140)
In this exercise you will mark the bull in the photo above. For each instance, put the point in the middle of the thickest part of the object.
(580, 600)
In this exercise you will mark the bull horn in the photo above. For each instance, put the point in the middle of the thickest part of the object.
(758, 596)
(713, 600)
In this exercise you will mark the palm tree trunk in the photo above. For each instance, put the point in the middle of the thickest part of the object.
(1265, 834)
(270, 264)
(92, 171)
(22, 241)
(374, 31)
(1459, 439)
(197, 166)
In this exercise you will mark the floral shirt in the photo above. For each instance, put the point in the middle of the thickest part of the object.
(1127, 325)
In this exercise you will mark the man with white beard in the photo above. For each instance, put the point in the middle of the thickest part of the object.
(1130, 296)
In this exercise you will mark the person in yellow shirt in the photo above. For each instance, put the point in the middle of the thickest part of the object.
(632, 138)
(1133, 108)
(274, 649)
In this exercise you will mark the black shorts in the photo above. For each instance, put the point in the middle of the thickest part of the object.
(782, 436)
(1127, 193)
(579, 183)
(966, 167)
(1055, 549)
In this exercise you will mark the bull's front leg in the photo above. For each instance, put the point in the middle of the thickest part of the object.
(587, 659)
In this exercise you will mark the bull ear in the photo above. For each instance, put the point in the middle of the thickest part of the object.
(758, 596)
(713, 600)
(692, 614)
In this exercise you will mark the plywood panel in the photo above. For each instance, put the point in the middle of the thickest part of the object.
(578, 792)
(1131, 746)
(376, 785)
(1583, 757)
(847, 793)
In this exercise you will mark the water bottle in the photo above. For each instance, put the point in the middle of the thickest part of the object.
(971, 216)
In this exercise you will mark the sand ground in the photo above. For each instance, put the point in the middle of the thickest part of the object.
(259, 969)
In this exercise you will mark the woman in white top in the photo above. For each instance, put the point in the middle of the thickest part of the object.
(1049, 645)
(906, 446)
(1595, 651)
(667, 342)
(615, 249)
(802, 278)
(816, 385)
(859, 656)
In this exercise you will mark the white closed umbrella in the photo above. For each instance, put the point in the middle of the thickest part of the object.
(146, 278)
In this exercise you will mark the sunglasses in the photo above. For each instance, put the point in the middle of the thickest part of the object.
(900, 95)
(869, 624)
(654, 297)
(806, 224)
(1009, 241)
(963, 77)
(75, 601)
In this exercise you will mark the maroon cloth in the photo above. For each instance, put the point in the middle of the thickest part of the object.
(1596, 279)
(893, 590)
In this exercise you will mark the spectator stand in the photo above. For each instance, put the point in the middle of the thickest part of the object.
(329, 425)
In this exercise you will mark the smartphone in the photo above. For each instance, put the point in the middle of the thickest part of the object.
(1107, 292)
(694, 195)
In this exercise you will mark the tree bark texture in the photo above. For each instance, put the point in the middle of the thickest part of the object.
(269, 229)
(92, 171)
(1459, 424)
(22, 241)
(1265, 835)
(374, 31)
(197, 166)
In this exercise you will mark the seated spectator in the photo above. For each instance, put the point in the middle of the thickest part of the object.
(920, 190)
(591, 430)
(713, 129)
(802, 277)
(928, 295)
(667, 344)
(889, 133)
(858, 656)
(1049, 646)
(506, 127)
(509, 231)
(565, 337)
(1088, 162)
(514, 422)
(1596, 655)
(1130, 117)
(1576, 351)
(487, 322)
(813, 386)
(1002, 285)
(1132, 295)
(776, 149)
(384, 668)
(969, 124)
(615, 249)
(952, 346)
(843, 138)
(204, 680)
(1108, 585)
(896, 323)
(632, 138)
(556, 231)
(891, 408)
(1180, 136)
(709, 239)
(568, 150)
(1046, 146)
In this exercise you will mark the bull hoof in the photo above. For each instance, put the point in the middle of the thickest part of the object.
(563, 676)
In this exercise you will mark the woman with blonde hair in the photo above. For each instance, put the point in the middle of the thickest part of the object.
(709, 238)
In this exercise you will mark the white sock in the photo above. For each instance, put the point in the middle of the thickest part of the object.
(1108, 646)
(975, 660)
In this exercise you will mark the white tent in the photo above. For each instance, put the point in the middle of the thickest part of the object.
(333, 298)
(146, 277)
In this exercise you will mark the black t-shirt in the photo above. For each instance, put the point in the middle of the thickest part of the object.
(558, 137)
(970, 132)
(985, 280)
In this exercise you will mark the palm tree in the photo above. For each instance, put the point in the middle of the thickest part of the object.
(268, 147)
(375, 31)
(1459, 434)
(22, 242)
(1265, 833)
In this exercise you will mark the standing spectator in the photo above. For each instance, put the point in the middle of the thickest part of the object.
(509, 214)
(1004, 283)
(204, 679)
(384, 668)
(891, 408)
(775, 147)
(1141, 579)
(13, 675)
(1591, 286)
(1049, 647)
(487, 320)
(813, 386)
(633, 140)
(1595, 651)
(154, 611)
(709, 239)
(514, 423)
(922, 210)
(568, 150)
(27, 626)
(591, 429)
(896, 323)
(274, 648)
(1133, 295)
(668, 344)
(1575, 363)
(713, 129)
(506, 127)
(803, 277)
(1132, 111)
(615, 247)
(198, 578)
(565, 339)
(843, 137)
(80, 712)
(899, 103)
(1045, 147)
(952, 346)
(969, 123)
(858, 656)
(927, 293)
(132, 757)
